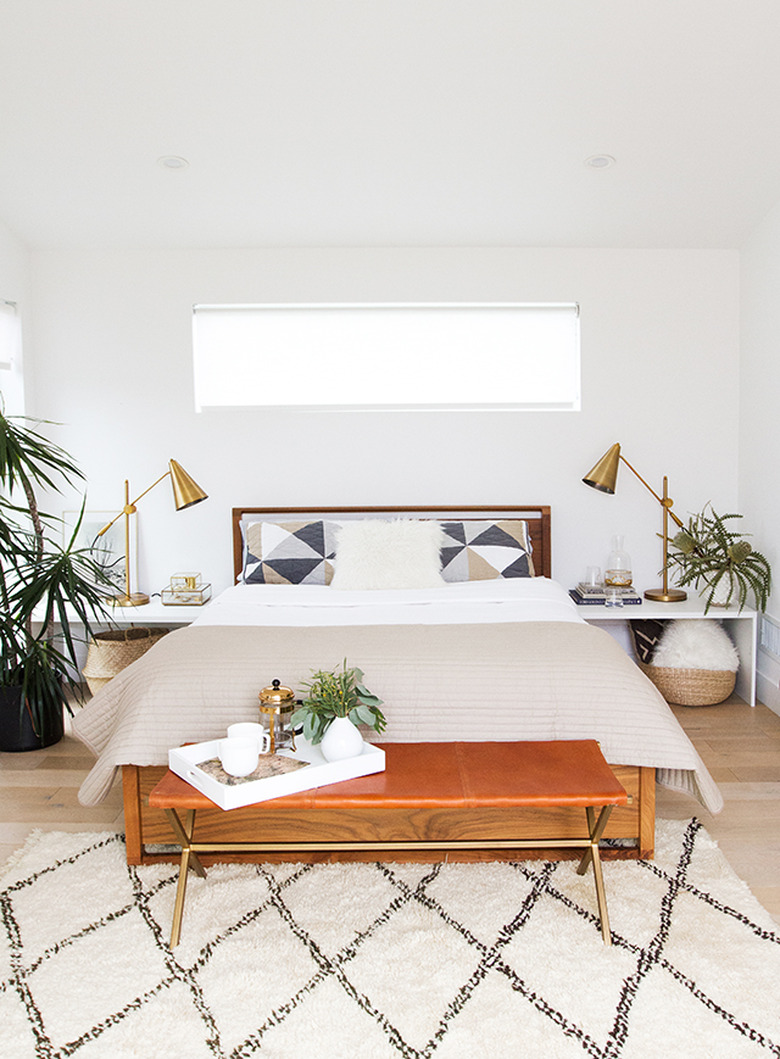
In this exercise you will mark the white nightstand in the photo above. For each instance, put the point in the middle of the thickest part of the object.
(742, 627)
(152, 613)
(156, 613)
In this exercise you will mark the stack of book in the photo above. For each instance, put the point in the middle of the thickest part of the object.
(595, 595)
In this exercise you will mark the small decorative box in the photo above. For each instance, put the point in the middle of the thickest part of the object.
(187, 580)
(186, 590)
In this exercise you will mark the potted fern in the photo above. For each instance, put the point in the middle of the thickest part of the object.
(720, 562)
(335, 702)
(41, 583)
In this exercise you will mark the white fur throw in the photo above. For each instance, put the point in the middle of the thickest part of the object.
(403, 553)
(694, 643)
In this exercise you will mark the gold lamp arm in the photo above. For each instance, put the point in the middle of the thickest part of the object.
(665, 501)
(143, 494)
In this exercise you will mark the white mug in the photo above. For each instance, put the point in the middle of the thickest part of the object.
(251, 730)
(239, 755)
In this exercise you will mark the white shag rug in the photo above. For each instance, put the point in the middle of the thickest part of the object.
(358, 961)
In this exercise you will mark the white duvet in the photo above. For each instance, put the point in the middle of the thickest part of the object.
(501, 660)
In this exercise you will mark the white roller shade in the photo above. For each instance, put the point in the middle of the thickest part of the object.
(387, 355)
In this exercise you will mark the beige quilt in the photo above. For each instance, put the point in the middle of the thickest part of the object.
(529, 680)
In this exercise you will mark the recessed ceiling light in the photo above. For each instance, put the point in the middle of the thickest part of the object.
(600, 161)
(172, 161)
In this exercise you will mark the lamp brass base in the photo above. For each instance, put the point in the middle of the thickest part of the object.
(671, 595)
(135, 599)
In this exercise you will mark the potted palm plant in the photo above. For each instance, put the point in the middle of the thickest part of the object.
(720, 562)
(335, 702)
(41, 583)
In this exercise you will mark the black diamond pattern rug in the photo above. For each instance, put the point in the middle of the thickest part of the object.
(445, 961)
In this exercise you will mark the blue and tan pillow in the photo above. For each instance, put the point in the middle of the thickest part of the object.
(482, 550)
(289, 553)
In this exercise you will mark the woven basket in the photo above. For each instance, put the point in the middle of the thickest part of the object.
(691, 687)
(111, 651)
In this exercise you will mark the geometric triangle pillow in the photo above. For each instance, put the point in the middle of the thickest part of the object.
(289, 553)
(483, 550)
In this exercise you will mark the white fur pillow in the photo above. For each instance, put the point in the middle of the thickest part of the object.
(404, 553)
(694, 643)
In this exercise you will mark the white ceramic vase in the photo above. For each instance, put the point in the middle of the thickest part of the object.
(341, 740)
(720, 597)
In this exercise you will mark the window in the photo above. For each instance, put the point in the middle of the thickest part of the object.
(11, 386)
(501, 355)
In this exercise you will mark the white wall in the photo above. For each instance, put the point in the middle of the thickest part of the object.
(660, 375)
(759, 465)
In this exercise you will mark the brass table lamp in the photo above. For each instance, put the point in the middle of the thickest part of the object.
(186, 492)
(604, 478)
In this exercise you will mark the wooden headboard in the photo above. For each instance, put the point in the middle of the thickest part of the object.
(536, 515)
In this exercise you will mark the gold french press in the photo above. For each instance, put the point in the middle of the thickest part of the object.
(277, 705)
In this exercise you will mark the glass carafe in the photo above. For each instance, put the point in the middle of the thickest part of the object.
(618, 570)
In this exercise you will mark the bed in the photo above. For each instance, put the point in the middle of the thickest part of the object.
(473, 656)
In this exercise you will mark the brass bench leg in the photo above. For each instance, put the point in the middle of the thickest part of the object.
(189, 858)
(595, 831)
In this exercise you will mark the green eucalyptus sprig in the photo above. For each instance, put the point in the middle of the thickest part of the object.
(337, 693)
(708, 551)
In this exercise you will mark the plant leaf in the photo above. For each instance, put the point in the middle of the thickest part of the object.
(363, 715)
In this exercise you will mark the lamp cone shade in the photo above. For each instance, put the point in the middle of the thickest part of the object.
(186, 492)
(604, 475)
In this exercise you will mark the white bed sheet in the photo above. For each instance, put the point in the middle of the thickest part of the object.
(461, 603)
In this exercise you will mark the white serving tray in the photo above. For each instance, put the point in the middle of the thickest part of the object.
(184, 761)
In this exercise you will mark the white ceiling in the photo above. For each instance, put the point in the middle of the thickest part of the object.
(388, 122)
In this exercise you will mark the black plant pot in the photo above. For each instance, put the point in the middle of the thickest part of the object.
(16, 727)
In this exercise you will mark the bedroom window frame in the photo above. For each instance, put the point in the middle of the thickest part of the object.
(532, 350)
(11, 377)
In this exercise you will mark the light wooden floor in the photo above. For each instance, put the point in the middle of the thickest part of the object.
(740, 746)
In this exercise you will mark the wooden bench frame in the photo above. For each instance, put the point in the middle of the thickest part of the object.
(147, 828)
(483, 783)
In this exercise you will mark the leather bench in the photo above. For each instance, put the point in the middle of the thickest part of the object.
(480, 777)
